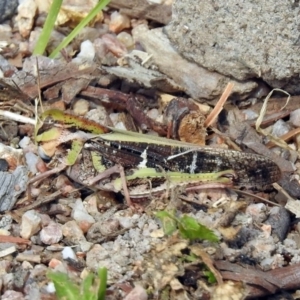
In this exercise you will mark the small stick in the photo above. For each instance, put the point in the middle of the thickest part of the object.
(219, 106)
(17, 117)
(117, 169)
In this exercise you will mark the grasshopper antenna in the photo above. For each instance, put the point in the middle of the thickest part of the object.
(39, 100)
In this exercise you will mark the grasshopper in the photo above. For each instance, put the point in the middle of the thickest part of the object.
(139, 164)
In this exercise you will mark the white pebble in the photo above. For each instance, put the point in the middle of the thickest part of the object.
(31, 161)
(87, 52)
(68, 253)
(81, 107)
(51, 234)
(25, 141)
(295, 117)
(126, 39)
(280, 128)
(50, 288)
(118, 22)
(30, 224)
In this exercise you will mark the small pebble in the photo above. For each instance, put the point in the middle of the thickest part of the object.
(3, 165)
(295, 117)
(50, 288)
(7, 9)
(34, 258)
(86, 54)
(138, 293)
(31, 161)
(30, 224)
(250, 114)
(80, 215)
(81, 107)
(51, 234)
(280, 128)
(12, 295)
(280, 221)
(257, 212)
(55, 263)
(85, 246)
(24, 142)
(68, 253)
(73, 232)
(113, 45)
(126, 39)
(25, 18)
(118, 22)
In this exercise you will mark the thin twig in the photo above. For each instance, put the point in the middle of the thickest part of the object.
(17, 117)
(219, 106)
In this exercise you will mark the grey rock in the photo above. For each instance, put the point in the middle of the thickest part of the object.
(143, 9)
(7, 9)
(280, 221)
(241, 39)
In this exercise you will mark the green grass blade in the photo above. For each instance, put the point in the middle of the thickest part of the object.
(65, 288)
(102, 274)
(80, 26)
(48, 27)
(88, 288)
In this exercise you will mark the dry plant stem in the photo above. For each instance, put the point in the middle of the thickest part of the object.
(261, 283)
(115, 170)
(208, 262)
(271, 118)
(275, 104)
(15, 117)
(277, 187)
(41, 177)
(13, 239)
(219, 106)
(286, 137)
(46, 199)
(46, 174)
(106, 96)
(211, 185)
(257, 197)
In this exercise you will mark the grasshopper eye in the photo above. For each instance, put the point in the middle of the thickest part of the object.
(45, 157)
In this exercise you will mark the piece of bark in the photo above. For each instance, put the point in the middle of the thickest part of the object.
(261, 283)
(243, 134)
(276, 104)
(134, 70)
(50, 72)
(12, 185)
(110, 98)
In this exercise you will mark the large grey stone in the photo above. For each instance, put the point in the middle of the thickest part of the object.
(241, 39)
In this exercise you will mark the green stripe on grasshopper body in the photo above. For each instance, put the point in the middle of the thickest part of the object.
(173, 179)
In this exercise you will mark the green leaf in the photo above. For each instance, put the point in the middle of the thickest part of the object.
(189, 228)
(190, 258)
(168, 221)
(210, 276)
(91, 288)
(65, 288)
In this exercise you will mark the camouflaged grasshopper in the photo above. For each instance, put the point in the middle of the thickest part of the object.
(140, 165)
